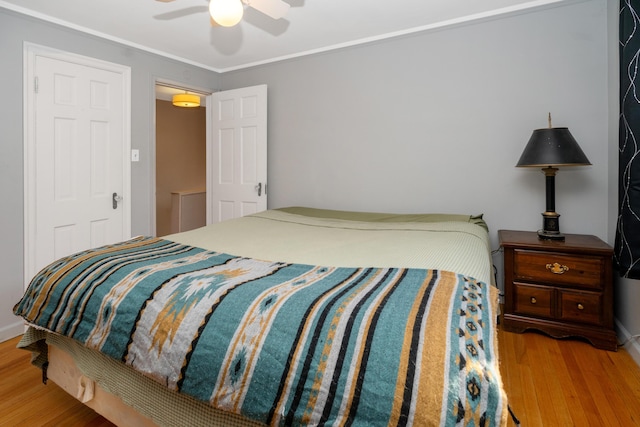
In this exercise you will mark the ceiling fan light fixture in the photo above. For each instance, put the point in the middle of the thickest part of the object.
(226, 12)
(186, 100)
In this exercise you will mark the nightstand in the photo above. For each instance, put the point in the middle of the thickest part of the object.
(563, 288)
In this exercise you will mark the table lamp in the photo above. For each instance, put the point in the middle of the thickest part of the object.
(550, 149)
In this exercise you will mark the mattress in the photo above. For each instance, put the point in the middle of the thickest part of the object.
(452, 243)
(447, 242)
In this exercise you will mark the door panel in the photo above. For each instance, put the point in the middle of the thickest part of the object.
(76, 156)
(237, 162)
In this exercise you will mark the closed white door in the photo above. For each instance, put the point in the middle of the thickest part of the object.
(237, 153)
(77, 163)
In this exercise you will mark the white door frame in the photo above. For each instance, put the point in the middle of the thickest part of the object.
(31, 51)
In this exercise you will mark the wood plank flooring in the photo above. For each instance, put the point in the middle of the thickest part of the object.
(568, 382)
(26, 401)
(548, 382)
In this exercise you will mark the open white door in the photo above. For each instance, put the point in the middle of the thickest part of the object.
(237, 153)
(77, 171)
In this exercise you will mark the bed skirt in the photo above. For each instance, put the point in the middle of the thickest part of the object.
(120, 394)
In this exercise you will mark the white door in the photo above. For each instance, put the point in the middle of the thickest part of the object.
(237, 153)
(77, 169)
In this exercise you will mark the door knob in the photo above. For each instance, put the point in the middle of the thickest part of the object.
(115, 199)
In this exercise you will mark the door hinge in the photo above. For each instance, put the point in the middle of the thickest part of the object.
(35, 84)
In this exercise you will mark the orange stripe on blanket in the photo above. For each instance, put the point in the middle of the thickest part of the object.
(433, 376)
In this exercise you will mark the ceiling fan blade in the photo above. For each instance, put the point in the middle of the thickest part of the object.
(275, 9)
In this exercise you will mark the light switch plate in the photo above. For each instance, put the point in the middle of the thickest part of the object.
(135, 155)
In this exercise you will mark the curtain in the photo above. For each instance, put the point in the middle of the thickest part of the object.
(627, 244)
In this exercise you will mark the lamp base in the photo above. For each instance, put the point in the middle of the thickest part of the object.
(550, 227)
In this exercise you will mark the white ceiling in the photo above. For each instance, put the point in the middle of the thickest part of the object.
(181, 29)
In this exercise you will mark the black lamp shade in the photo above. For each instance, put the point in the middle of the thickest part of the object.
(552, 147)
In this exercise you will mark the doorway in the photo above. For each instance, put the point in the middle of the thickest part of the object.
(213, 168)
(180, 161)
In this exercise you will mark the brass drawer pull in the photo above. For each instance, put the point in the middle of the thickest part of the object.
(580, 306)
(533, 300)
(556, 268)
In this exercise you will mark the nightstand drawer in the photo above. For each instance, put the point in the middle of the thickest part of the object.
(585, 307)
(533, 300)
(559, 269)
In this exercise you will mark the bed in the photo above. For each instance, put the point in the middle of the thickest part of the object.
(293, 316)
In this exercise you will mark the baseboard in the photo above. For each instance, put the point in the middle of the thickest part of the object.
(632, 346)
(11, 331)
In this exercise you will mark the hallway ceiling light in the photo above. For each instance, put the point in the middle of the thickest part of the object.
(186, 100)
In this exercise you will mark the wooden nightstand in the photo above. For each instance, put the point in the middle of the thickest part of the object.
(563, 288)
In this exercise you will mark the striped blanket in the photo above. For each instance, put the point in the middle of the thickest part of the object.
(283, 344)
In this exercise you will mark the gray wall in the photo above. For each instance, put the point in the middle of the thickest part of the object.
(437, 122)
(15, 29)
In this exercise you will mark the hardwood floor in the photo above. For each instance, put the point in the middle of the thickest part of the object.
(548, 382)
(26, 401)
(568, 382)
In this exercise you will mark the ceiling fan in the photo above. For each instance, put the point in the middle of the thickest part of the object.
(229, 12)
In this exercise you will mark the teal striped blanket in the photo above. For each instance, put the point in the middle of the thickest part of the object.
(283, 344)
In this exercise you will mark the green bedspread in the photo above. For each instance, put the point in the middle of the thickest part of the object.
(283, 343)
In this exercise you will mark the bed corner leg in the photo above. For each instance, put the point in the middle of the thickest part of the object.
(45, 365)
